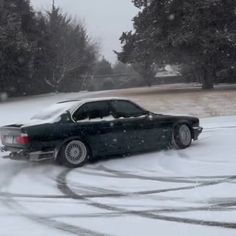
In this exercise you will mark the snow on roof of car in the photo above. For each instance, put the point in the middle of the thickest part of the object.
(74, 104)
(84, 100)
(53, 112)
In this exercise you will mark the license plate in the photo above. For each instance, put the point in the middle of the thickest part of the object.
(8, 139)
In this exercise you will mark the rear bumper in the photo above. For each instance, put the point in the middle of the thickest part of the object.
(29, 156)
(196, 132)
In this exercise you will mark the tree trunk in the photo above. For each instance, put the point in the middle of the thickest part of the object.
(208, 78)
(148, 81)
(148, 75)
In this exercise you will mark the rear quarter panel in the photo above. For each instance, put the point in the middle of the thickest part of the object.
(48, 136)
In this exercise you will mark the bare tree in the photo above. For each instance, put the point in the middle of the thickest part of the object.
(71, 52)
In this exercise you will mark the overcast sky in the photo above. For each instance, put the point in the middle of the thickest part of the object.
(105, 19)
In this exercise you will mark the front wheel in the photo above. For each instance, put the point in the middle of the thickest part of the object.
(73, 154)
(182, 136)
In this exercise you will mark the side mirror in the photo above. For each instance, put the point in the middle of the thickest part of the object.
(149, 116)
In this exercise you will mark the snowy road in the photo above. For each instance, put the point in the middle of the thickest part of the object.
(187, 192)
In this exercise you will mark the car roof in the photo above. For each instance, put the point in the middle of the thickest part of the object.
(74, 104)
(85, 100)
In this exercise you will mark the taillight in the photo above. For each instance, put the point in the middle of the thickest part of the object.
(24, 139)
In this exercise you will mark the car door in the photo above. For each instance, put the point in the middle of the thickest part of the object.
(156, 131)
(148, 132)
(95, 122)
(130, 117)
(143, 131)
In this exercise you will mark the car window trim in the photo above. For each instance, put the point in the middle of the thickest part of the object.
(110, 108)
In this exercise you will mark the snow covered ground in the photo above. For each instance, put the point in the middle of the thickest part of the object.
(187, 192)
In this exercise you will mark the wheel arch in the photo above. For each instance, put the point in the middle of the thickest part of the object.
(61, 144)
(183, 122)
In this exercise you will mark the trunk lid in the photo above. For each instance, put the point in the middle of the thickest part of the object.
(14, 136)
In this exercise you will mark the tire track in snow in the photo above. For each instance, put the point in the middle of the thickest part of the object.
(192, 179)
(110, 193)
(65, 189)
(20, 210)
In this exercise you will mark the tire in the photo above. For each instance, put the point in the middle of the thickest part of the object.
(182, 136)
(73, 154)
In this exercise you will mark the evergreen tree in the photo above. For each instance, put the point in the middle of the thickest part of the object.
(16, 46)
(199, 33)
(103, 68)
(42, 52)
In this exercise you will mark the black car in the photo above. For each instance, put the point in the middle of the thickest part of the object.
(72, 132)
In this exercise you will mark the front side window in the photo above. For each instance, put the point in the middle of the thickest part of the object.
(91, 111)
(126, 109)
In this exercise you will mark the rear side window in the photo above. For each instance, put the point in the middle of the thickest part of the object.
(126, 109)
(93, 110)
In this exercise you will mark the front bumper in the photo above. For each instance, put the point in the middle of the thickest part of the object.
(29, 156)
(196, 132)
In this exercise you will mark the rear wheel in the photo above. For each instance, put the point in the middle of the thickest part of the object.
(182, 136)
(73, 154)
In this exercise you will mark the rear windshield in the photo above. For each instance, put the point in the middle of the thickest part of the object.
(52, 112)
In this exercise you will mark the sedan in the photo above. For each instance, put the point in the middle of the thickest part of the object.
(73, 132)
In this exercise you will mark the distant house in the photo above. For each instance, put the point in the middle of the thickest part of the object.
(168, 74)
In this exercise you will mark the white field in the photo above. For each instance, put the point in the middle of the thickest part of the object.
(188, 192)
